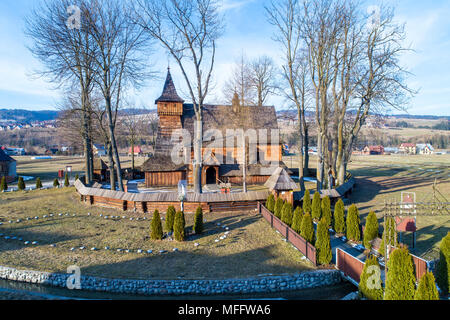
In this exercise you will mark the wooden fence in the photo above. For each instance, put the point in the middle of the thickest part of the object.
(351, 266)
(420, 265)
(307, 249)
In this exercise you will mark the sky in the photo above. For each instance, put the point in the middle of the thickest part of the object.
(247, 31)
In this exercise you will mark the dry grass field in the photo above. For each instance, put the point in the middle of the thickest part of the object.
(47, 170)
(250, 249)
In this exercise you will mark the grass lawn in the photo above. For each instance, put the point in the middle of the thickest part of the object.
(251, 248)
(47, 170)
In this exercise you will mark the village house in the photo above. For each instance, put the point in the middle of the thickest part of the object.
(7, 167)
(99, 150)
(137, 151)
(408, 148)
(426, 149)
(373, 150)
(160, 170)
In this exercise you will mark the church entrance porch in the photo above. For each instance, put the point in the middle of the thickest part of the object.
(210, 175)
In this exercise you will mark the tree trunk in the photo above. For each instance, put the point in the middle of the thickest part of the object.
(87, 141)
(306, 146)
(197, 174)
(112, 174)
(301, 169)
(114, 144)
(132, 159)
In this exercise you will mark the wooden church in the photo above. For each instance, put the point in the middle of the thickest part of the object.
(174, 114)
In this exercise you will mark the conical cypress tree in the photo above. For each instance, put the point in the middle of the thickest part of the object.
(66, 180)
(178, 226)
(270, 203)
(156, 227)
(370, 230)
(3, 185)
(55, 183)
(170, 217)
(326, 210)
(323, 245)
(307, 202)
(21, 184)
(297, 220)
(353, 221)
(315, 207)
(427, 288)
(278, 208)
(38, 183)
(443, 266)
(307, 228)
(198, 221)
(370, 285)
(287, 214)
(401, 279)
(390, 235)
(339, 217)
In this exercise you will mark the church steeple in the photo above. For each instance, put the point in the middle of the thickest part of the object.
(169, 92)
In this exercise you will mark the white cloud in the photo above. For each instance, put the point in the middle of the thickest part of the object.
(234, 4)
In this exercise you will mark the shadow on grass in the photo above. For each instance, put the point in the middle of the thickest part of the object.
(42, 238)
(195, 265)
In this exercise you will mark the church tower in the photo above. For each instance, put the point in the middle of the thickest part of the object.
(170, 111)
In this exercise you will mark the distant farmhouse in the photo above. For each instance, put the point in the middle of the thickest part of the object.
(408, 148)
(424, 148)
(99, 150)
(7, 167)
(411, 148)
(373, 150)
(173, 113)
(14, 151)
(137, 151)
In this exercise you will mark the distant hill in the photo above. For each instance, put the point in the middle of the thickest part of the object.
(26, 116)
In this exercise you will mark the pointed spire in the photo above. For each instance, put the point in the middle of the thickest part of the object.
(169, 92)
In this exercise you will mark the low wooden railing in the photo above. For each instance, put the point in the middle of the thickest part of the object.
(307, 249)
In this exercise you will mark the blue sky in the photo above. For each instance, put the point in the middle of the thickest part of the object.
(427, 27)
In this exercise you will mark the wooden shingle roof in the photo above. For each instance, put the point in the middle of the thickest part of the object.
(169, 92)
(280, 180)
(171, 196)
(161, 163)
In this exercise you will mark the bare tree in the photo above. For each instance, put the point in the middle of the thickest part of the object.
(119, 60)
(352, 70)
(380, 78)
(284, 17)
(188, 30)
(67, 53)
(263, 78)
(240, 82)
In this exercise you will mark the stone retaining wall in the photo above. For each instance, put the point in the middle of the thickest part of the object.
(264, 284)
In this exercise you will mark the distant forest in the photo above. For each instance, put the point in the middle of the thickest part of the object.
(26, 116)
